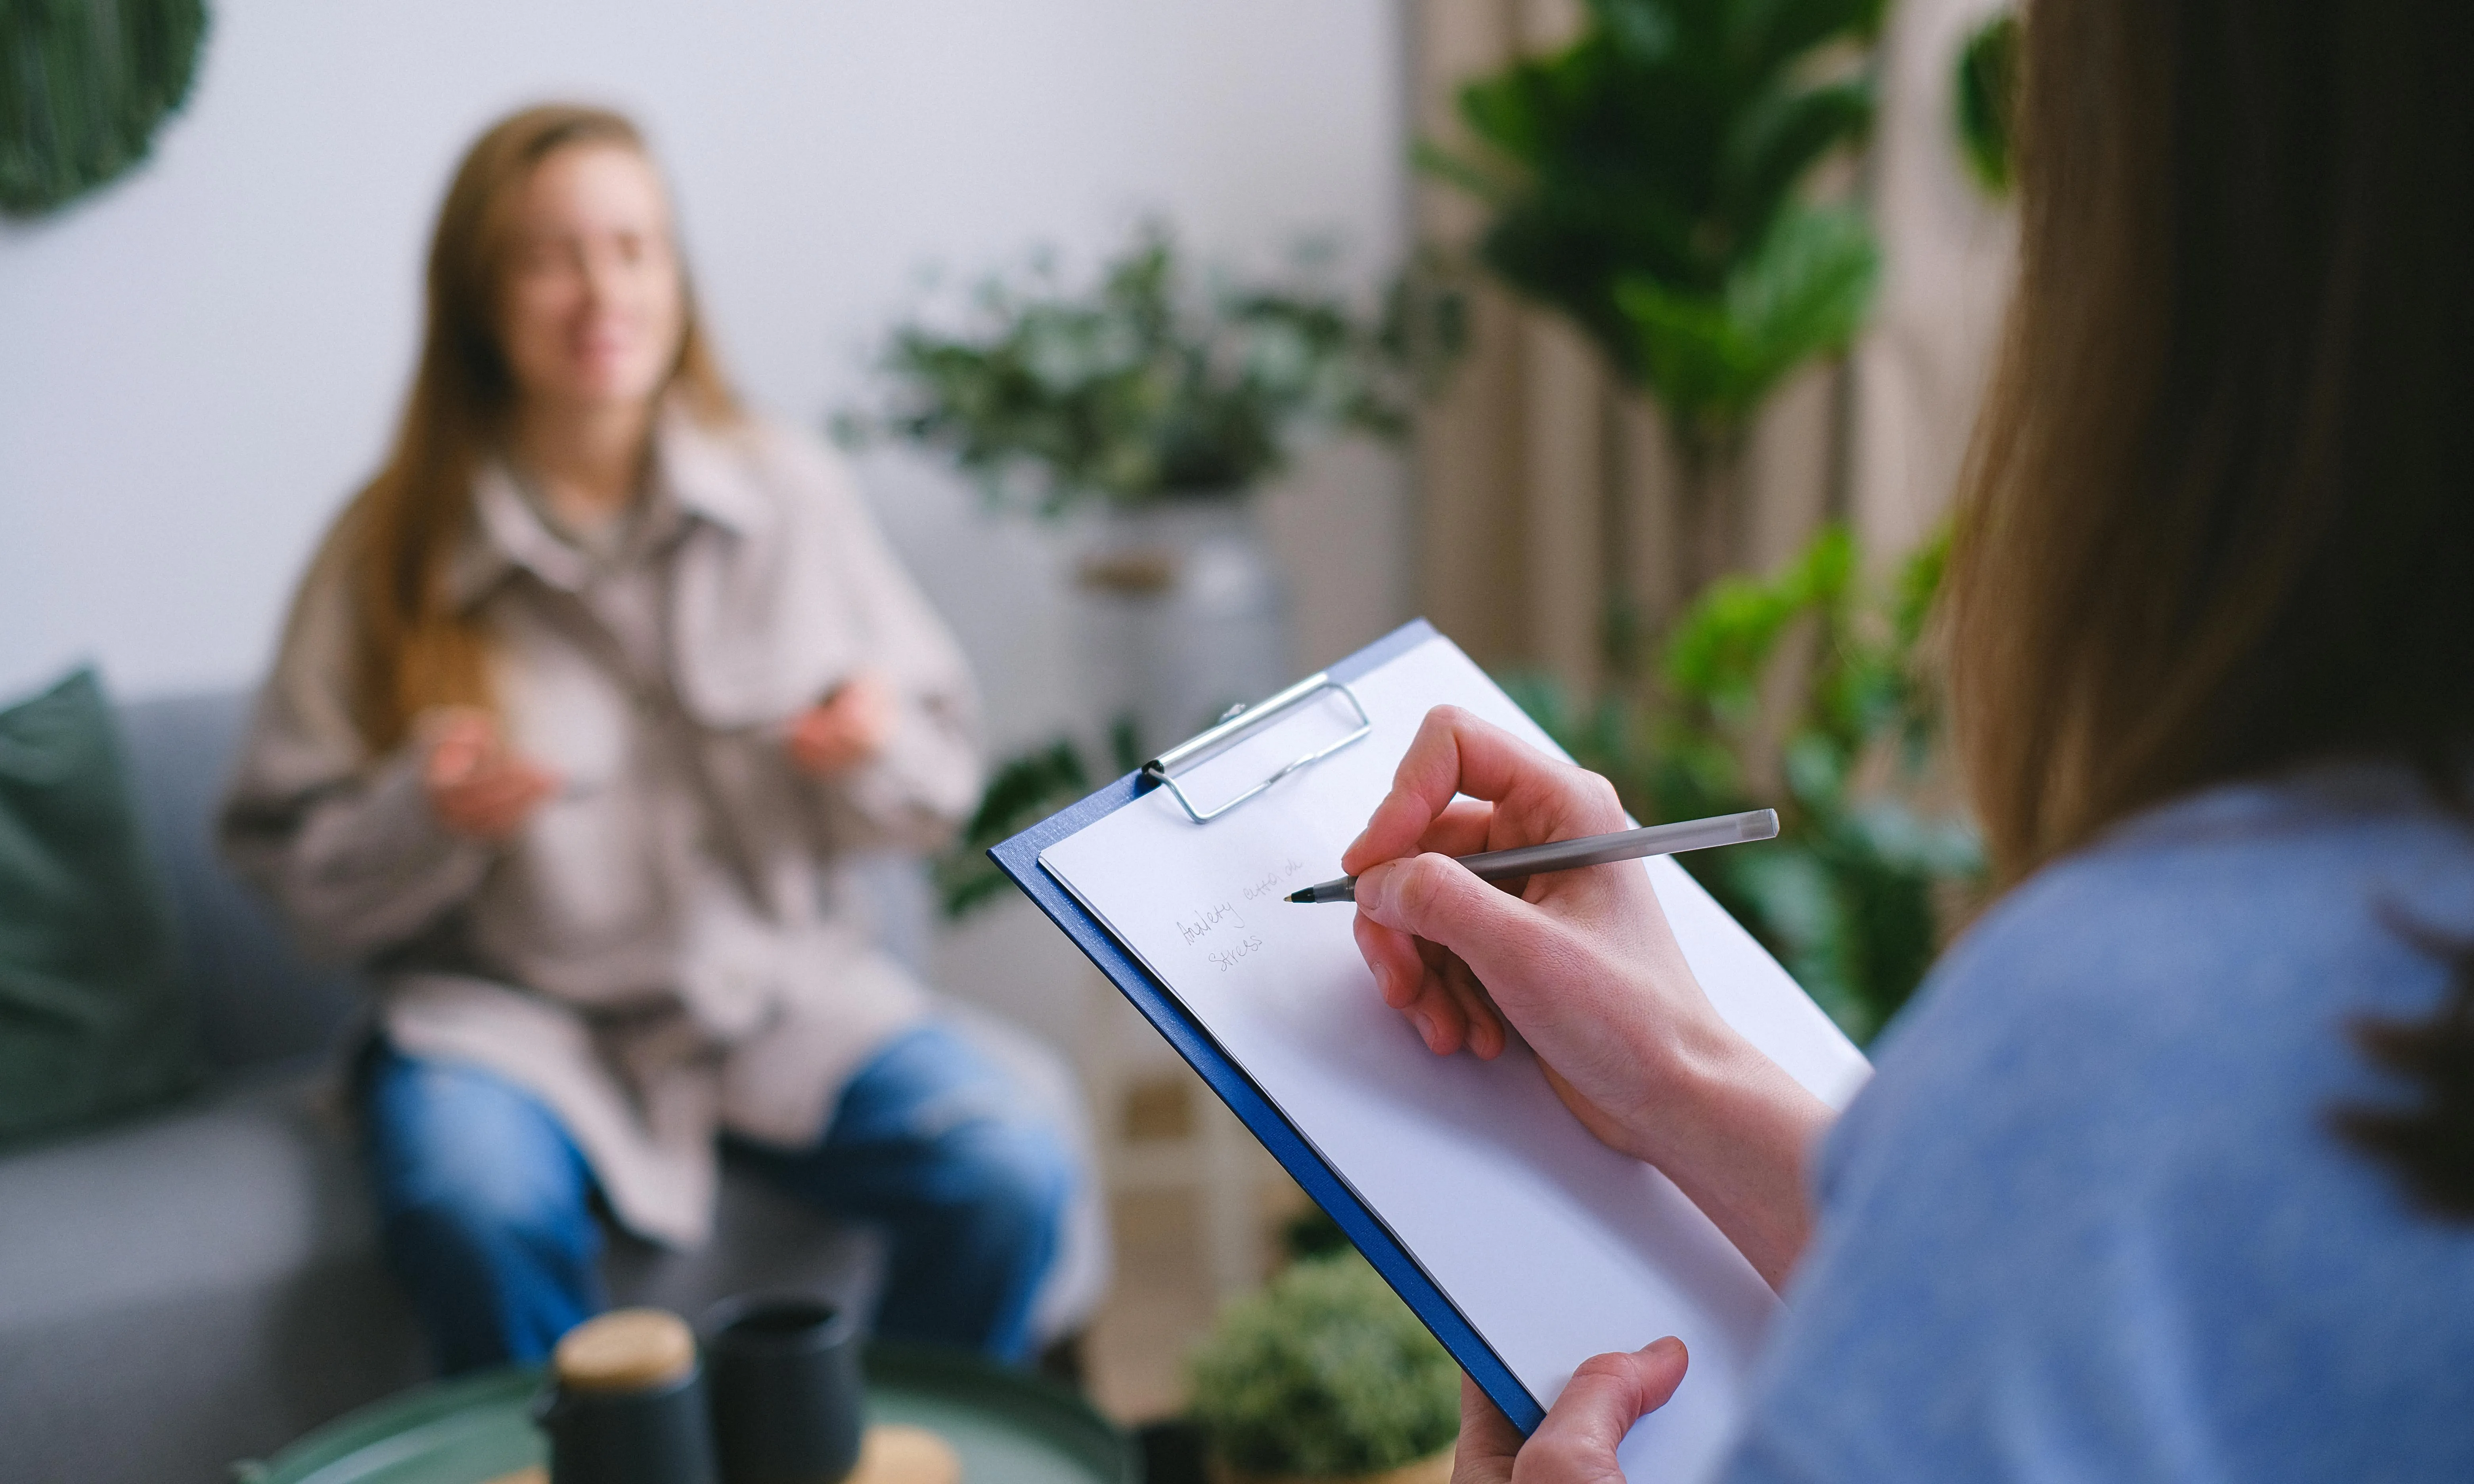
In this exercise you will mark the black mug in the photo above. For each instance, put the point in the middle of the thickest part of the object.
(787, 1398)
(637, 1422)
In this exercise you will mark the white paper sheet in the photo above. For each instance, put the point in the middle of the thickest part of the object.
(1553, 1247)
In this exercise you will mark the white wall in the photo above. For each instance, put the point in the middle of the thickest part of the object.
(200, 361)
(198, 364)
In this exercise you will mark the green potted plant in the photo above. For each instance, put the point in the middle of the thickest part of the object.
(1143, 390)
(1326, 1376)
(1647, 182)
(1165, 404)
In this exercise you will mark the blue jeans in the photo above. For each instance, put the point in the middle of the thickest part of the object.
(486, 1204)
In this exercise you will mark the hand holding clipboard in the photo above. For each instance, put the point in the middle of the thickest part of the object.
(1523, 1242)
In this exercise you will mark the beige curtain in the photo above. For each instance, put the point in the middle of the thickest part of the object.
(1546, 490)
(1948, 251)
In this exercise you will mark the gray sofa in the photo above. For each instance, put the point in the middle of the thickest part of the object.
(201, 1284)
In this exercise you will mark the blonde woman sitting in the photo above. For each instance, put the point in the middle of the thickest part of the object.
(578, 706)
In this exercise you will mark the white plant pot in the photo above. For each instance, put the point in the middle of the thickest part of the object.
(1184, 615)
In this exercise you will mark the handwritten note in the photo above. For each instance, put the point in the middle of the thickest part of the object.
(1219, 930)
(1553, 1247)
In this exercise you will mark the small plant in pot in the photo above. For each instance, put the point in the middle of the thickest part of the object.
(1147, 389)
(1326, 1376)
(1166, 403)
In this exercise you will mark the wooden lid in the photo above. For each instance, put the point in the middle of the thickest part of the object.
(625, 1349)
(895, 1454)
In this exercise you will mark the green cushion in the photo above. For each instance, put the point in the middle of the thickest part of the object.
(93, 1020)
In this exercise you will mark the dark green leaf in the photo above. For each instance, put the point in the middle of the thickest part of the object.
(1710, 359)
(1986, 98)
(1024, 790)
(1781, 136)
(1635, 177)
(1772, 34)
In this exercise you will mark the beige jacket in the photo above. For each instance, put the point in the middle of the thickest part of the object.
(662, 952)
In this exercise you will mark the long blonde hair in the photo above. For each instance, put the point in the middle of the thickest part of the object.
(412, 648)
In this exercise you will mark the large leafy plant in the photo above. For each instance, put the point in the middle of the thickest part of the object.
(1856, 893)
(1148, 385)
(1646, 181)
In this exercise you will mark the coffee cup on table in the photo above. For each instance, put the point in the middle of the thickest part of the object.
(788, 1396)
(625, 1404)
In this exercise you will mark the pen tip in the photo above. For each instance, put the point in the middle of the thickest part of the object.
(1306, 896)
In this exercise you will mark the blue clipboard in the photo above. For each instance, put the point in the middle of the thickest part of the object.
(1019, 859)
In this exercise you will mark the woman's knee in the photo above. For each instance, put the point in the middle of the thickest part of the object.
(1012, 1175)
(490, 1207)
(459, 1154)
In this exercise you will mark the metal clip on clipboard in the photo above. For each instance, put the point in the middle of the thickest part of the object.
(1236, 726)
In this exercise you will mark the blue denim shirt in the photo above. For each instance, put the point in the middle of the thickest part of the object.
(2089, 1222)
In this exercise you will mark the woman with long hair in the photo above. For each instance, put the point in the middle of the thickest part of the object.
(2168, 1172)
(578, 706)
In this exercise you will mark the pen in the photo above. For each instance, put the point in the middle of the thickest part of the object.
(1588, 851)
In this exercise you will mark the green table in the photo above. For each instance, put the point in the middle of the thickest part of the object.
(1010, 1428)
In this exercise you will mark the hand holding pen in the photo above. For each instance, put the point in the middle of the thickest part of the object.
(1581, 963)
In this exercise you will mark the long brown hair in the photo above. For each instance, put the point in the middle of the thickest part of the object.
(412, 648)
(2220, 519)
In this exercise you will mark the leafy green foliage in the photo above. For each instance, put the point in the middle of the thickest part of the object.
(1143, 387)
(1643, 182)
(1323, 1373)
(1713, 360)
(1850, 895)
(1987, 94)
(1024, 790)
(83, 86)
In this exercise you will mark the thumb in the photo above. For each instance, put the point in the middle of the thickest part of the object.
(1604, 1397)
(1435, 898)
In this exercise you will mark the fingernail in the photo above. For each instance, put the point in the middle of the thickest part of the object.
(1425, 1028)
(1355, 844)
(1670, 1346)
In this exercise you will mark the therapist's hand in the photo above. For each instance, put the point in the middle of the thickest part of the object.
(1581, 963)
(1576, 1442)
